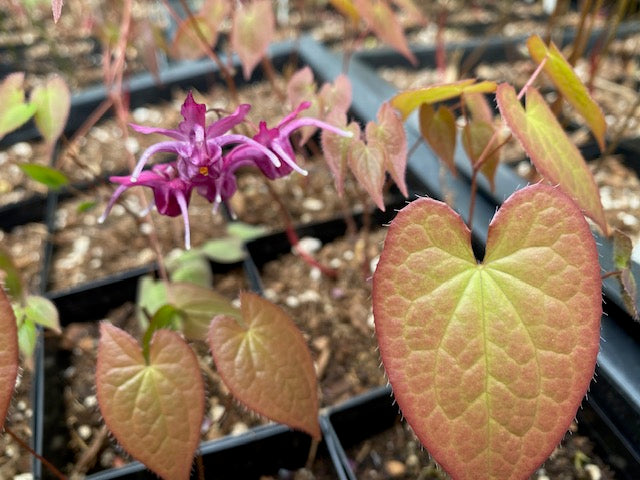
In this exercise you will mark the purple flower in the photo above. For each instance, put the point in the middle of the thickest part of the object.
(202, 162)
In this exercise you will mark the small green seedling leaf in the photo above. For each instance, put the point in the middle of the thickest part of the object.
(48, 176)
(569, 84)
(154, 408)
(407, 101)
(189, 266)
(15, 112)
(245, 231)
(151, 295)
(489, 361)
(252, 32)
(438, 129)
(550, 149)
(8, 355)
(40, 311)
(199, 306)
(475, 137)
(382, 21)
(265, 362)
(224, 250)
(27, 337)
(622, 249)
(86, 206)
(53, 102)
(168, 317)
(10, 276)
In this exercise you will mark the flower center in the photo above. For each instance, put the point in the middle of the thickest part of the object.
(204, 170)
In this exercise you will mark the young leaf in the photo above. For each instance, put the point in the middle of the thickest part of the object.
(224, 250)
(475, 137)
(245, 231)
(265, 362)
(187, 43)
(40, 311)
(199, 306)
(550, 150)
(27, 337)
(8, 355)
(56, 7)
(366, 161)
(388, 133)
(489, 361)
(151, 295)
(569, 84)
(15, 111)
(337, 148)
(622, 249)
(252, 32)
(48, 176)
(10, 277)
(301, 87)
(629, 292)
(53, 102)
(383, 22)
(346, 8)
(190, 266)
(478, 106)
(153, 409)
(335, 97)
(438, 128)
(407, 101)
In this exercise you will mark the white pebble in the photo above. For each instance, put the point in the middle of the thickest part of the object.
(315, 274)
(23, 476)
(141, 115)
(335, 263)
(309, 296)
(22, 149)
(90, 401)
(628, 219)
(4, 156)
(132, 145)
(270, 294)
(239, 428)
(84, 431)
(313, 204)
(146, 228)
(374, 263)
(22, 405)
(217, 411)
(593, 471)
(309, 244)
(100, 134)
(348, 255)
(292, 301)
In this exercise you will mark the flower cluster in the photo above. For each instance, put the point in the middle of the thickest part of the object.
(208, 158)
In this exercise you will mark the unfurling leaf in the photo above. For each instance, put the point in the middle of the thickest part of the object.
(366, 161)
(252, 32)
(388, 135)
(301, 87)
(383, 22)
(154, 408)
(245, 231)
(265, 362)
(438, 128)
(622, 249)
(48, 176)
(569, 84)
(199, 306)
(8, 355)
(56, 7)
(475, 138)
(188, 44)
(407, 101)
(550, 150)
(40, 311)
(10, 277)
(27, 337)
(489, 361)
(53, 102)
(189, 266)
(224, 250)
(337, 148)
(15, 111)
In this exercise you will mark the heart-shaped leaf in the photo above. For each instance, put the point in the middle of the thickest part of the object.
(8, 354)
(53, 102)
(15, 111)
(40, 311)
(550, 149)
(154, 410)
(264, 361)
(475, 137)
(569, 84)
(337, 148)
(366, 161)
(438, 128)
(489, 361)
(187, 43)
(301, 87)
(335, 97)
(252, 32)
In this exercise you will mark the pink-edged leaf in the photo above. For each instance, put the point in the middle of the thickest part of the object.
(8, 354)
(56, 8)
(53, 102)
(336, 149)
(346, 8)
(550, 149)
(265, 362)
(301, 87)
(187, 44)
(490, 361)
(438, 128)
(384, 23)
(366, 161)
(412, 11)
(475, 136)
(335, 97)
(154, 410)
(389, 135)
(407, 101)
(478, 106)
(15, 112)
(252, 31)
(622, 249)
(569, 84)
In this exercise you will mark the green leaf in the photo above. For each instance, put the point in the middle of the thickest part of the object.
(154, 410)
(15, 112)
(41, 311)
(407, 101)
(190, 266)
(478, 106)
(86, 206)
(245, 231)
(8, 355)
(151, 295)
(224, 250)
(475, 137)
(252, 31)
(168, 317)
(27, 337)
(629, 292)
(438, 128)
(346, 8)
(489, 361)
(199, 305)
(266, 364)
(569, 84)
(53, 102)
(10, 276)
(48, 176)
(622, 249)
(551, 150)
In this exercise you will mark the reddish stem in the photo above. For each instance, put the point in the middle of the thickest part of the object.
(48, 465)
(441, 62)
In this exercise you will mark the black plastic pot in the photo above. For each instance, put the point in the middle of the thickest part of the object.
(617, 391)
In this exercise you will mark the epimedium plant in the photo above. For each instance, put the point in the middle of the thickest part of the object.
(489, 358)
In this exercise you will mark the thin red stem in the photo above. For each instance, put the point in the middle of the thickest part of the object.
(48, 465)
